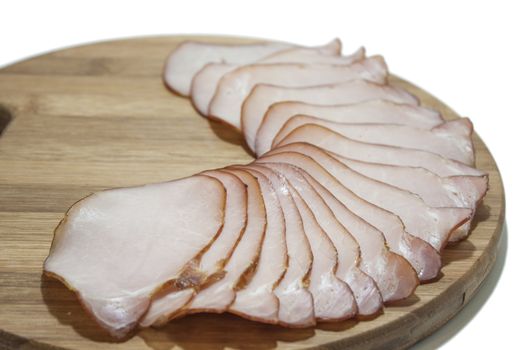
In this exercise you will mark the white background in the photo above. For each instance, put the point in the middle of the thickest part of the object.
(469, 54)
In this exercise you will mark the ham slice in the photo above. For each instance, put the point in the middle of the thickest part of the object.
(263, 96)
(356, 191)
(394, 276)
(296, 307)
(190, 56)
(452, 191)
(433, 225)
(366, 292)
(205, 82)
(451, 140)
(256, 299)
(353, 211)
(374, 111)
(314, 55)
(236, 85)
(334, 142)
(220, 295)
(211, 264)
(116, 248)
(333, 299)
(436, 191)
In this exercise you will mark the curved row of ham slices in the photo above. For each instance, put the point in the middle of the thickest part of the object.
(355, 191)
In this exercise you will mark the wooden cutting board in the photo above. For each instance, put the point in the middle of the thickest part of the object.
(97, 116)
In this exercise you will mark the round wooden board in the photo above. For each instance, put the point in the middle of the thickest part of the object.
(99, 116)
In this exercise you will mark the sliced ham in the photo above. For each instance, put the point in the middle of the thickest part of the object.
(433, 225)
(296, 307)
(236, 85)
(356, 191)
(116, 248)
(336, 143)
(263, 96)
(452, 191)
(366, 292)
(314, 55)
(256, 299)
(220, 295)
(436, 191)
(190, 56)
(333, 299)
(205, 81)
(374, 111)
(211, 265)
(451, 139)
(353, 211)
(394, 276)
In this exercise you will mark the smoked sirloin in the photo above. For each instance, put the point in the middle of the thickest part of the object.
(354, 192)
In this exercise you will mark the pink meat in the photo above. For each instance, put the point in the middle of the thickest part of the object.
(366, 292)
(423, 258)
(256, 299)
(433, 225)
(333, 299)
(236, 85)
(394, 276)
(263, 96)
(190, 56)
(169, 303)
(374, 111)
(205, 82)
(451, 140)
(296, 307)
(116, 248)
(436, 191)
(336, 143)
(220, 295)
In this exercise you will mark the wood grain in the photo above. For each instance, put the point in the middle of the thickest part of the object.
(98, 116)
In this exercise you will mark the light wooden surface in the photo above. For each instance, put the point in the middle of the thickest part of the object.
(99, 116)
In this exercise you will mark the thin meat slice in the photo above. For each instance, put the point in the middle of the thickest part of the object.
(374, 111)
(434, 225)
(334, 142)
(220, 295)
(190, 56)
(263, 96)
(436, 191)
(423, 258)
(366, 292)
(256, 300)
(205, 82)
(236, 85)
(394, 276)
(314, 55)
(296, 308)
(211, 265)
(451, 139)
(333, 299)
(116, 248)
